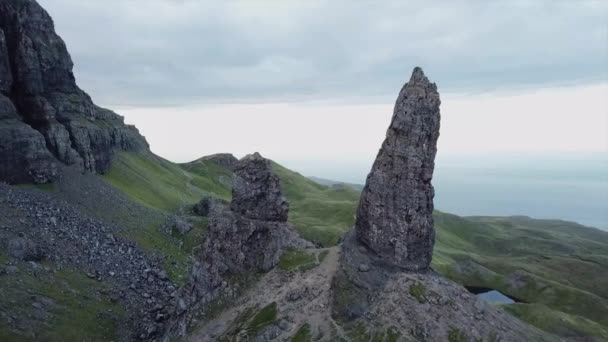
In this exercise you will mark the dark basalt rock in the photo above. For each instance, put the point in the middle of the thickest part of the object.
(36, 77)
(23, 153)
(208, 204)
(249, 236)
(256, 191)
(394, 218)
(24, 249)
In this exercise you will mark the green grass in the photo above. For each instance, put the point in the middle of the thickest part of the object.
(303, 334)
(250, 322)
(456, 335)
(152, 181)
(263, 318)
(418, 291)
(78, 312)
(297, 260)
(557, 322)
(321, 214)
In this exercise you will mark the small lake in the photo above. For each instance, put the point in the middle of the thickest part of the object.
(495, 297)
(491, 296)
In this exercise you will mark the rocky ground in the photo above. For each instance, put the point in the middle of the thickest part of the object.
(39, 230)
(300, 297)
(322, 304)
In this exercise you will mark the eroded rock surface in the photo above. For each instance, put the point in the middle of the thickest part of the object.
(245, 238)
(44, 116)
(394, 218)
(256, 191)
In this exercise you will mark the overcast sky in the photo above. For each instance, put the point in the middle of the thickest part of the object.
(304, 79)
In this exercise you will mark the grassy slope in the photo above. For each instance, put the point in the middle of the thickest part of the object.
(563, 266)
(320, 213)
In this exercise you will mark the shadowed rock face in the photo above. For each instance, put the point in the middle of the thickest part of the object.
(394, 218)
(256, 191)
(47, 106)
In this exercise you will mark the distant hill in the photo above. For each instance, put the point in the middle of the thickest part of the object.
(329, 182)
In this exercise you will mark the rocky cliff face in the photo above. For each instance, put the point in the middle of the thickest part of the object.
(44, 117)
(394, 218)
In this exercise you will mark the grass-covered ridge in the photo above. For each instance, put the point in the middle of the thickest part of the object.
(163, 185)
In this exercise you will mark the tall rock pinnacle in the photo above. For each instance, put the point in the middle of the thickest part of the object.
(394, 218)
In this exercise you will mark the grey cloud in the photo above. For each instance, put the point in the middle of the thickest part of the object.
(162, 52)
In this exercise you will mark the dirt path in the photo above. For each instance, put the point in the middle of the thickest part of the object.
(301, 297)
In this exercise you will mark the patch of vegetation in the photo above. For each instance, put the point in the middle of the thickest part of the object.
(176, 260)
(77, 310)
(559, 323)
(250, 322)
(358, 333)
(303, 334)
(152, 181)
(297, 260)
(210, 177)
(455, 335)
(390, 335)
(320, 213)
(418, 291)
(263, 318)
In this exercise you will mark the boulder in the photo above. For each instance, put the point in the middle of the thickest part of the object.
(22, 248)
(208, 204)
(394, 217)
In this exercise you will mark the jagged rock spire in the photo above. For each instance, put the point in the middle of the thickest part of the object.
(394, 218)
(256, 191)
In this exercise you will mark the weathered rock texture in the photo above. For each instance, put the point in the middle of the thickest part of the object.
(246, 237)
(208, 204)
(394, 218)
(256, 191)
(44, 116)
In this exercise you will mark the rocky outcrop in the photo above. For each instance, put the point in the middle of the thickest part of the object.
(44, 114)
(394, 218)
(247, 237)
(208, 204)
(256, 191)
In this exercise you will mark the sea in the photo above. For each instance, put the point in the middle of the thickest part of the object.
(569, 186)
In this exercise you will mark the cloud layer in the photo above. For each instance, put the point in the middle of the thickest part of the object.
(174, 52)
